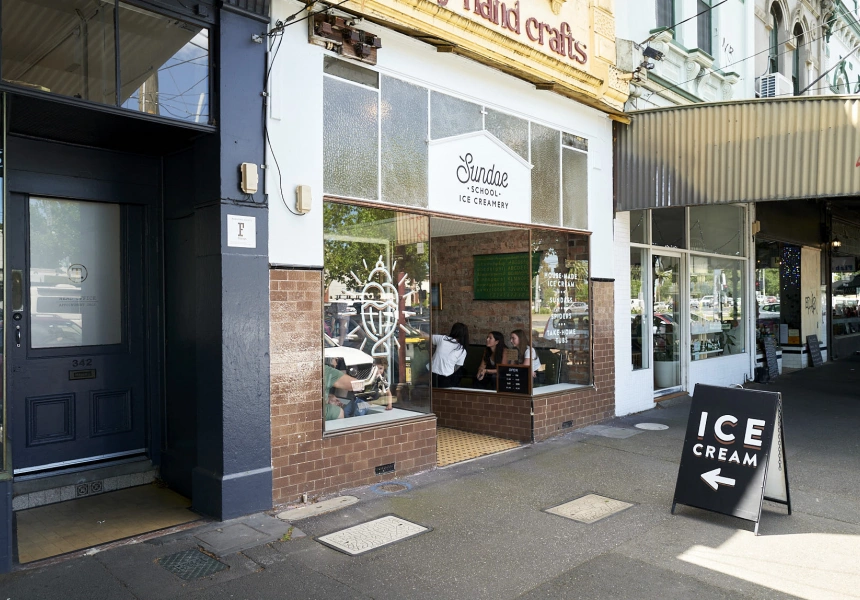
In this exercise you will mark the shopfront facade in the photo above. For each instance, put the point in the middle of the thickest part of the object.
(120, 338)
(443, 191)
(758, 246)
(684, 317)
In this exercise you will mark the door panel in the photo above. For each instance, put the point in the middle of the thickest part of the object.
(666, 321)
(77, 345)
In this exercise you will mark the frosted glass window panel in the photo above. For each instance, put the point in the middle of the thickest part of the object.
(546, 158)
(575, 188)
(350, 140)
(404, 143)
(512, 131)
(717, 229)
(451, 116)
(75, 274)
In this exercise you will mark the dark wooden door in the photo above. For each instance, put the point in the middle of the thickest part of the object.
(76, 340)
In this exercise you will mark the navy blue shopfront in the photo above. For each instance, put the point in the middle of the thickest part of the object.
(133, 329)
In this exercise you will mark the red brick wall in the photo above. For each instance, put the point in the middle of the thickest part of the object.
(453, 268)
(593, 404)
(489, 414)
(303, 460)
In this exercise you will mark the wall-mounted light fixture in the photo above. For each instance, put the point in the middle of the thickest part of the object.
(835, 243)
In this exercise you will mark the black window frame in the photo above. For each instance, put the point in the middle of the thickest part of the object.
(704, 29)
(665, 12)
(203, 16)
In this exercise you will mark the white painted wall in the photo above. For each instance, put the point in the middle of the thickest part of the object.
(295, 129)
(634, 390)
(724, 370)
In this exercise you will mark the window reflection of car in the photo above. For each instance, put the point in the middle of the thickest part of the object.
(768, 311)
(53, 331)
(351, 361)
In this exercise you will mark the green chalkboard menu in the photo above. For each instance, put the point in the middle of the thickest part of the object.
(503, 276)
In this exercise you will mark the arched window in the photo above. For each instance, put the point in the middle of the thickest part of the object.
(797, 59)
(773, 50)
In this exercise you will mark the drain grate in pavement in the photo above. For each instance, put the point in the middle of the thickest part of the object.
(191, 564)
(589, 509)
(390, 487)
(372, 535)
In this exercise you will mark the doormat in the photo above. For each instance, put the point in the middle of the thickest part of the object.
(589, 509)
(191, 564)
(372, 535)
(453, 446)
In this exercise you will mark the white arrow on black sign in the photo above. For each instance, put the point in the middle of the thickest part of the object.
(713, 479)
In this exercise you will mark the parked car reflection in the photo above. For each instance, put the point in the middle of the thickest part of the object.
(54, 331)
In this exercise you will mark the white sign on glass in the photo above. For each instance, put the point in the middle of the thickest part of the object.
(241, 231)
(476, 175)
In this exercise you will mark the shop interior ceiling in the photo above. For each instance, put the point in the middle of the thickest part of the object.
(440, 227)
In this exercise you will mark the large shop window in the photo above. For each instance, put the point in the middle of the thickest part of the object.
(523, 297)
(712, 239)
(378, 132)
(716, 307)
(69, 47)
(845, 278)
(376, 360)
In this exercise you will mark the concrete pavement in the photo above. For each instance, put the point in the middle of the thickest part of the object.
(491, 539)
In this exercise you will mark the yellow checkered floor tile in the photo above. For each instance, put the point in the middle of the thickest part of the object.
(453, 445)
(77, 524)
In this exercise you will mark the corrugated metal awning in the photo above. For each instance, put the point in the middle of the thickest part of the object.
(741, 151)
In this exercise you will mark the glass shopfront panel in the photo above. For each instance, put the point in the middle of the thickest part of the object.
(376, 358)
(480, 296)
(716, 307)
(638, 307)
(561, 310)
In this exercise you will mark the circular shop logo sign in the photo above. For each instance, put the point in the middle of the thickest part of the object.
(77, 273)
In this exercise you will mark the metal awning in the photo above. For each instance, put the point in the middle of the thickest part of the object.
(740, 151)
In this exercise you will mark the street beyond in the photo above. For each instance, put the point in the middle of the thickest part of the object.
(490, 535)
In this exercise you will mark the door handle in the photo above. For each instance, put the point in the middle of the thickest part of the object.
(18, 336)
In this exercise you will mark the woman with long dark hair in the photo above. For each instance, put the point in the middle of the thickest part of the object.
(494, 355)
(449, 356)
(526, 355)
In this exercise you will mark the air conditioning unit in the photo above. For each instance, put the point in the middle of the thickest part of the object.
(775, 85)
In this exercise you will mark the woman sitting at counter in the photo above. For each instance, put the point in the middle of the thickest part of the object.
(526, 355)
(494, 355)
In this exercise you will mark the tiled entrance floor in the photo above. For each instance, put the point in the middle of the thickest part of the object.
(453, 445)
(67, 526)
